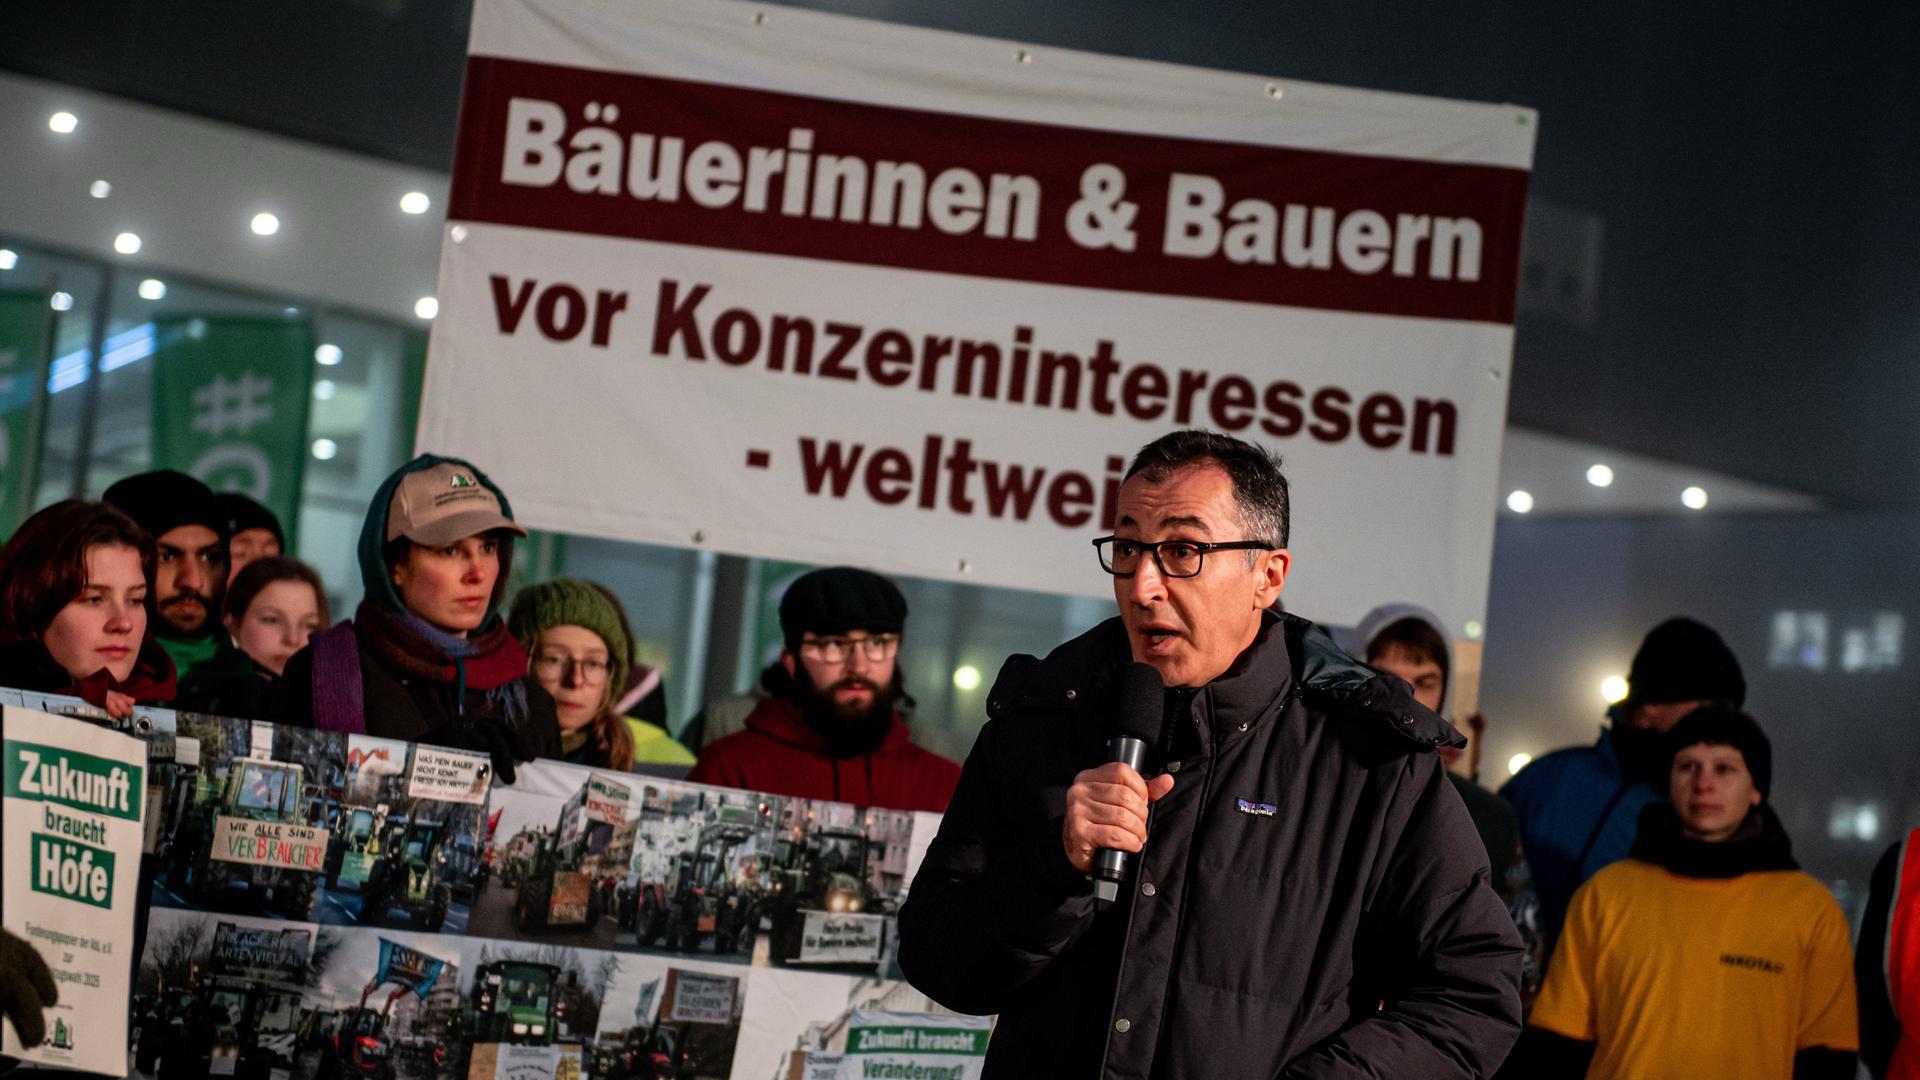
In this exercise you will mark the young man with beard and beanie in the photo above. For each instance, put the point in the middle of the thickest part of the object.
(1579, 807)
(1313, 901)
(829, 728)
(1706, 952)
(189, 587)
(427, 657)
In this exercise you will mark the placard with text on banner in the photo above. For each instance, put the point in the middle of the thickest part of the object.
(811, 287)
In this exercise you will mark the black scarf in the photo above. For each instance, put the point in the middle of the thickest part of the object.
(1761, 843)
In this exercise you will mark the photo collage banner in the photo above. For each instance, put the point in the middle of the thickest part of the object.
(325, 905)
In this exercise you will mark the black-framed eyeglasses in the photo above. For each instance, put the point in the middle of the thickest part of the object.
(835, 650)
(1175, 558)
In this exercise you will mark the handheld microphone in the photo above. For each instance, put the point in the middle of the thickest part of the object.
(1142, 706)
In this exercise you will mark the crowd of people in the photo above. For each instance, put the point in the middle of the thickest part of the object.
(1329, 890)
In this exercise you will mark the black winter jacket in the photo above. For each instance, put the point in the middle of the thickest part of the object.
(1313, 900)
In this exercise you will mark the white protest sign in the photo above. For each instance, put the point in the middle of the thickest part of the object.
(75, 796)
(448, 775)
(269, 843)
(702, 999)
(865, 293)
(830, 938)
(924, 1046)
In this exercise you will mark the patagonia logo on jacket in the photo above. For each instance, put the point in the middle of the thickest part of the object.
(1257, 809)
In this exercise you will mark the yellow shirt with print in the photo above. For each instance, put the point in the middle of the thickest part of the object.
(1684, 978)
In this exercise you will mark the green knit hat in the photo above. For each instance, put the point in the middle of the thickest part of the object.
(572, 602)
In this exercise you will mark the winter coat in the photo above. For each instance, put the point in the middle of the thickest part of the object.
(1579, 812)
(779, 754)
(226, 684)
(401, 704)
(1312, 900)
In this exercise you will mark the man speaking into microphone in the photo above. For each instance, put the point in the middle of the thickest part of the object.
(1304, 894)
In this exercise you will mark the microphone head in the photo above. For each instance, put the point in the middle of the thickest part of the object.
(1142, 703)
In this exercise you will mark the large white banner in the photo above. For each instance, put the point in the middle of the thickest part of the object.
(810, 287)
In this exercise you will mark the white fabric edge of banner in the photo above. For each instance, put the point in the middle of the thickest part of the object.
(874, 62)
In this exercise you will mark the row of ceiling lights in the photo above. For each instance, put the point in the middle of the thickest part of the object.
(1520, 500)
(263, 223)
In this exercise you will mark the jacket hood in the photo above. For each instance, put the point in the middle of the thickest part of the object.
(377, 577)
(1082, 675)
(779, 719)
(1359, 640)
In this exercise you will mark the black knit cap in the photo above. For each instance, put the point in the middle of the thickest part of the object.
(1684, 660)
(1724, 726)
(242, 513)
(838, 599)
(164, 500)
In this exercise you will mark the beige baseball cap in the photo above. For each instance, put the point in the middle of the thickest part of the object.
(444, 503)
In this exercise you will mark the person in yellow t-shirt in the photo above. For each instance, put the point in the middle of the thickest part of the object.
(1706, 952)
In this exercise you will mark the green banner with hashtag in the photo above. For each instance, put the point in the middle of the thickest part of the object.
(230, 400)
(26, 335)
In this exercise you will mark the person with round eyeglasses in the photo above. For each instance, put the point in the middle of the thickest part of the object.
(830, 727)
(579, 648)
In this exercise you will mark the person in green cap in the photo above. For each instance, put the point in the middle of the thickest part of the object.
(581, 650)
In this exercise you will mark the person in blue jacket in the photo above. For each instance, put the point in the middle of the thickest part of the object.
(1579, 807)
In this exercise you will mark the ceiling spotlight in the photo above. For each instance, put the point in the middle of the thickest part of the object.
(265, 224)
(63, 122)
(127, 243)
(1613, 689)
(325, 449)
(1474, 629)
(327, 355)
(1520, 501)
(61, 301)
(426, 307)
(966, 677)
(1694, 498)
(415, 202)
(324, 390)
(100, 189)
(1518, 762)
(1600, 476)
(9, 259)
(153, 289)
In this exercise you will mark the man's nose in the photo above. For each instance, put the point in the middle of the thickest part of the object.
(191, 575)
(1147, 585)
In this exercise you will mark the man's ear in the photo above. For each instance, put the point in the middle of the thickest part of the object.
(1271, 571)
(786, 661)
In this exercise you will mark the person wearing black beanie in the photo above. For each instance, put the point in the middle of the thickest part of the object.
(253, 531)
(1579, 807)
(830, 727)
(1706, 945)
(189, 587)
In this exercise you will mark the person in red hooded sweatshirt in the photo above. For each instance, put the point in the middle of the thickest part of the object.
(830, 727)
(73, 609)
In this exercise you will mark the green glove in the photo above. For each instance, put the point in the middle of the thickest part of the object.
(26, 989)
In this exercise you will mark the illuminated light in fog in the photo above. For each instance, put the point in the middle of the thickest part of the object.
(264, 224)
(327, 355)
(1600, 475)
(1866, 823)
(324, 390)
(153, 289)
(1694, 498)
(1520, 501)
(63, 123)
(1614, 689)
(61, 301)
(426, 307)
(127, 243)
(966, 677)
(325, 449)
(99, 189)
(1474, 629)
(9, 259)
(415, 202)
(1518, 762)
